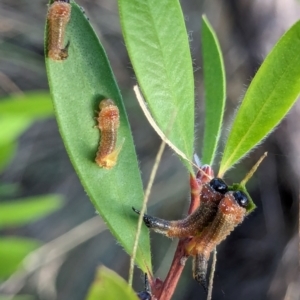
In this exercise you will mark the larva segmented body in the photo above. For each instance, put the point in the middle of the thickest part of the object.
(220, 211)
(58, 17)
(108, 123)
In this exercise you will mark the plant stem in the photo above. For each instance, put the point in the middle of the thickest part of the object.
(180, 257)
(195, 194)
(144, 207)
(178, 263)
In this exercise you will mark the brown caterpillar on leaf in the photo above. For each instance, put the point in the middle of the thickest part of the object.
(59, 13)
(108, 123)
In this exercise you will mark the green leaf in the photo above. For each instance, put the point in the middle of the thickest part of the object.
(16, 115)
(12, 251)
(7, 152)
(269, 97)
(27, 210)
(14, 125)
(77, 85)
(215, 91)
(31, 105)
(157, 43)
(109, 285)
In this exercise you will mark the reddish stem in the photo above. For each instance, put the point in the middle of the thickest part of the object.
(195, 194)
(178, 263)
(167, 289)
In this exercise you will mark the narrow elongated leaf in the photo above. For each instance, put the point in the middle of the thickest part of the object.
(16, 115)
(14, 126)
(26, 210)
(109, 285)
(7, 152)
(157, 43)
(12, 252)
(269, 97)
(215, 91)
(77, 85)
(32, 105)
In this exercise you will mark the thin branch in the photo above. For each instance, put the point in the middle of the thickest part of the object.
(143, 210)
(50, 252)
(9, 86)
(253, 169)
(150, 119)
(152, 122)
(171, 281)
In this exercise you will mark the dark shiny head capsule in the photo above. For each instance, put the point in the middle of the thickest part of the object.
(241, 199)
(219, 185)
(146, 294)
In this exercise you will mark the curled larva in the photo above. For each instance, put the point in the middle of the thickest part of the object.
(108, 123)
(59, 13)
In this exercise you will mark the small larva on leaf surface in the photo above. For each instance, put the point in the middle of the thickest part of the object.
(59, 13)
(108, 123)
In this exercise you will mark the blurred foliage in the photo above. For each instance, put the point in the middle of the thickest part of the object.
(12, 252)
(18, 297)
(109, 285)
(17, 114)
(8, 189)
(22, 211)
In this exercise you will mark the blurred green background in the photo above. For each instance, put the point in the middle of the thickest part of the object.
(260, 258)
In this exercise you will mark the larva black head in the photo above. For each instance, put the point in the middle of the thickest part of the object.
(219, 185)
(146, 294)
(241, 198)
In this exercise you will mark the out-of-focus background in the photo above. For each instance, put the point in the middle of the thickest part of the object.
(259, 260)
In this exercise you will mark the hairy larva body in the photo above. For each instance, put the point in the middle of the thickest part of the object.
(58, 17)
(108, 123)
(219, 212)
